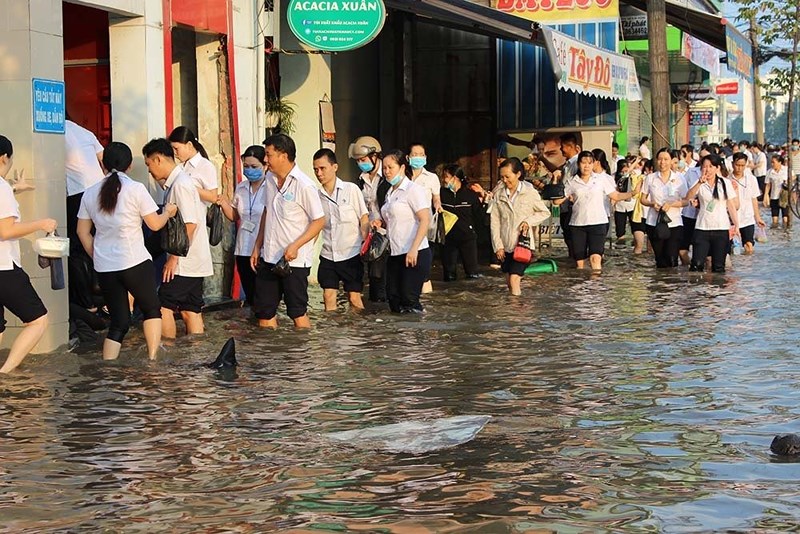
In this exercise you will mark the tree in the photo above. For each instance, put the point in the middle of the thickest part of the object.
(778, 22)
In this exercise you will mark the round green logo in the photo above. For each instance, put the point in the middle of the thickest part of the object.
(336, 25)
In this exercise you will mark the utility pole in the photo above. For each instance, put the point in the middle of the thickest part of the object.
(659, 72)
(757, 103)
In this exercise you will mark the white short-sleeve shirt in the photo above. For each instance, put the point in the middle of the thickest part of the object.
(249, 203)
(370, 192)
(341, 235)
(181, 190)
(712, 214)
(9, 249)
(760, 161)
(118, 241)
(203, 173)
(430, 182)
(400, 214)
(747, 190)
(691, 177)
(589, 205)
(290, 210)
(81, 166)
(659, 192)
(776, 180)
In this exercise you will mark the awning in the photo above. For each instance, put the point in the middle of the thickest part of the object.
(704, 26)
(471, 17)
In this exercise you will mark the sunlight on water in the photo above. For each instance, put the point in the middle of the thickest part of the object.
(633, 401)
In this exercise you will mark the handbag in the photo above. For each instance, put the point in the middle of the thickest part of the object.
(662, 225)
(552, 191)
(174, 237)
(216, 224)
(523, 252)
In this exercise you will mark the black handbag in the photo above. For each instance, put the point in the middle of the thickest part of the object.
(174, 237)
(216, 224)
(662, 225)
(552, 191)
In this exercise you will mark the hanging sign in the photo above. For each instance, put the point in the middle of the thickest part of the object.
(727, 88)
(589, 70)
(48, 106)
(336, 25)
(701, 118)
(634, 27)
(701, 54)
(739, 52)
(560, 11)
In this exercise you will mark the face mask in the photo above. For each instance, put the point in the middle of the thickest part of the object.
(252, 174)
(366, 166)
(396, 180)
(451, 187)
(681, 165)
(417, 162)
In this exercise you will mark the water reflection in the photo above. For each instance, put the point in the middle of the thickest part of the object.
(631, 401)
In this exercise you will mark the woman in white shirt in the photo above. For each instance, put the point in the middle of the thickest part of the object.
(246, 208)
(644, 150)
(116, 207)
(406, 215)
(16, 292)
(747, 192)
(716, 215)
(195, 162)
(776, 180)
(664, 191)
(589, 193)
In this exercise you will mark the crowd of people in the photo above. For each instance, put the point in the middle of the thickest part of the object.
(685, 206)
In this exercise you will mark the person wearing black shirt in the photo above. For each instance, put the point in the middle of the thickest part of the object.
(462, 238)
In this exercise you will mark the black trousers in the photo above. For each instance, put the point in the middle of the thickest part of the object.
(467, 247)
(621, 218)
(377, 279)
(566, 230)
(712, 243)
(80, 268)
(404, 284)
(666, 250)
(138, 281)
(247, 277)
(762, 180)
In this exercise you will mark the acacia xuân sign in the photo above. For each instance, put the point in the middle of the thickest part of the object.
(336, 25)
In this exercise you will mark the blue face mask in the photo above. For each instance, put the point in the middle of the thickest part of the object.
(396, 180)
(451, 187)
(252, 174)
(681, 165)
(366, 166)
(417, 162)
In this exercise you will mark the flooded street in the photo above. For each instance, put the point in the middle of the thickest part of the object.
(632, 401)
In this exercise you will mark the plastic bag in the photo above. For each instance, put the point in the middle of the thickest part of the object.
(761, 234)
(436, 231)
(216, 224)
(174, 237)
(378, 246)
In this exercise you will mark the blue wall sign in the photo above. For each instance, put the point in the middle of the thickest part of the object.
(48, 106)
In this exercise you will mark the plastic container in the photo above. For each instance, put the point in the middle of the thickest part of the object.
(542, 266)
(736, 245)
(52, 247)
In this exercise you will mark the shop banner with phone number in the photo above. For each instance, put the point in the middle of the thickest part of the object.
(560, 11)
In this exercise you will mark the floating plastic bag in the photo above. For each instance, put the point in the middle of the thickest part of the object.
(416, 437)
(174, 238)
(215, 221)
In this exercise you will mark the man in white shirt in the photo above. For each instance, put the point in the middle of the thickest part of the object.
(759, 167)
(615, 158)
(292, 219)
(82, 166)
(346, 226)
(182, 278)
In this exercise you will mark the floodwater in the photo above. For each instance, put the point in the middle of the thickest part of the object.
(632, 401)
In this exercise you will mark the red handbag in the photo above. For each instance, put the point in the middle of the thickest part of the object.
(366, 244)
(523, 252)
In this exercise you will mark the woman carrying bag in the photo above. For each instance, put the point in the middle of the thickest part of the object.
(516, 210)
(664, 191)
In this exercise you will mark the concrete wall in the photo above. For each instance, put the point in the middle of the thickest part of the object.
(31, 47)
(248, 39)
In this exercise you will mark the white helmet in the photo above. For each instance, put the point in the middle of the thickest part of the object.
(363, 146)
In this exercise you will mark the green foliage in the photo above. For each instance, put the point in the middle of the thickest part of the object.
(285, 112)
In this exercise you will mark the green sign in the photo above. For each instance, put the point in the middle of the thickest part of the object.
(336, 25)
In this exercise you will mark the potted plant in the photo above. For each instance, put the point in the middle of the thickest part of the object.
(279, 114)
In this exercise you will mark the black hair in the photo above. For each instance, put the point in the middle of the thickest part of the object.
(160, 146)
(647, 166)
(738, 156)
(282, 143)
(745, 143)
(6, 148)
(257, 152)
(400, 157)
(778, 157)
(325, 153)
(116, 157)
(614, 145)
(182, 134)
(455, 171)
(515, 164)
(600, 156)
(585, 154)
(416, 143)
(644, 140)
(716, 161)
(570, 138)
